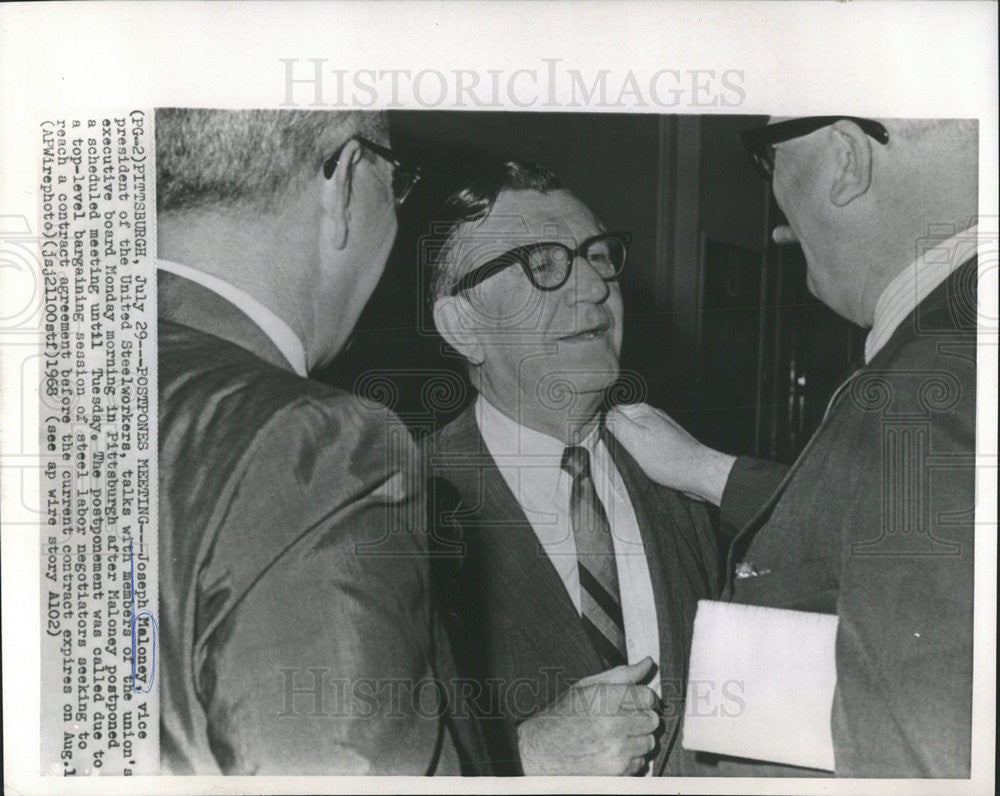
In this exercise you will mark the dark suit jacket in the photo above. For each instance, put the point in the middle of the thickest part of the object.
(874, 522)
(518, 638)
(293, 577)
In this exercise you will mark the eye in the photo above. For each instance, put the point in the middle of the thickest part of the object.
(549, 264)
(606, 255)
(546, 259)
(598, 254)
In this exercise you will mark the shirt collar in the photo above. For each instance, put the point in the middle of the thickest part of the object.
(537, 457)
(914, 283)
(279, 332)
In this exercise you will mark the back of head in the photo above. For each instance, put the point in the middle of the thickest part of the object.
(246, 159)
(864, 207)
(934, 162)
(955, 132)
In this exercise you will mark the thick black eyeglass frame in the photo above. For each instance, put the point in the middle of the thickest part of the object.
(409, 176)
(759, 141)
(519, 256)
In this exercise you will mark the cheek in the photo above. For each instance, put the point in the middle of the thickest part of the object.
(783, 194)
(555, 317)
(510, 306)
(617, 308)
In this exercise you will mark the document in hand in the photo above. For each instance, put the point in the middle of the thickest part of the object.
(778, 670)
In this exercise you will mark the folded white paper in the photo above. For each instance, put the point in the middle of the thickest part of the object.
(761, 684)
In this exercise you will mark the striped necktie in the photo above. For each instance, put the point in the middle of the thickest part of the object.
(600, 601)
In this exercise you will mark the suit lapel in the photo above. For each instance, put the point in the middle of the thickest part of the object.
(741, 541)
(492, 518)
(654, 520)
(949, 292)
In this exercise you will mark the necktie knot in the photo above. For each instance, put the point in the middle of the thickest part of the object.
(576, 461)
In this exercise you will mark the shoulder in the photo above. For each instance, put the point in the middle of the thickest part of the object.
(452, 459)
(244, 444)
(460, 436)
(926, 373)
(927, 376)
(224, 389)
(323, 474)
(941, 330)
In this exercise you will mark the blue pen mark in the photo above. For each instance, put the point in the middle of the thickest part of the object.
(135, 620)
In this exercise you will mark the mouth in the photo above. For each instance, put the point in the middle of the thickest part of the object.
(590, 333)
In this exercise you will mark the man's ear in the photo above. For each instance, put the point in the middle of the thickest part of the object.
(337, 192)
(454, 326)
(853, 153)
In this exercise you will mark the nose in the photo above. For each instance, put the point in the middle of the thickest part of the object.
(590, 286)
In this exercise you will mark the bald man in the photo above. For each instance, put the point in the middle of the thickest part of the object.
(875, 520)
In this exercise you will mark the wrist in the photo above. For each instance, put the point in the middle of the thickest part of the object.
(714, 473)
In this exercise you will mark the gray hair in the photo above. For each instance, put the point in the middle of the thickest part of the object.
(246, 158)
(964, 131)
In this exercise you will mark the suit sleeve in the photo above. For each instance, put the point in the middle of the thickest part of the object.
(321, 661)
(903, 703)
(751, 483)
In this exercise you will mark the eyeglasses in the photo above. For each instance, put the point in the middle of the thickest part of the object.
(404, 178)
(759, 142)
(549, 264)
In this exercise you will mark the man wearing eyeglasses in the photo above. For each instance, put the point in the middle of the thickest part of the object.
(294, 621)
(569, 580)
(874, 522)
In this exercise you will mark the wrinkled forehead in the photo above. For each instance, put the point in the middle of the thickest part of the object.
(519, 218)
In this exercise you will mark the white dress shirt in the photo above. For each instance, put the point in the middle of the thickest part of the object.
(914, 283)
(530, 463)
(279, 332)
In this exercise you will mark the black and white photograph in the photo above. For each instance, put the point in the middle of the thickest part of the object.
(558, 385)
(467, 420)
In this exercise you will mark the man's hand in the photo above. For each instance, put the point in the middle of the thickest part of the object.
(668, 454)
(602, 725)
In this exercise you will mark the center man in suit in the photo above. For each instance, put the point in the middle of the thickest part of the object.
(569, 579)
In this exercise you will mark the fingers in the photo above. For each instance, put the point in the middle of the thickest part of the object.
(634, 767)
(641, 723)
(635, 752)
(638, 745)
(633, 673)
(638, 697)
(640, 412)
(641, 418)
(631, 410)
(629, 415)
(628, 431)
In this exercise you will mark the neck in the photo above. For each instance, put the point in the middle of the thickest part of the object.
(572, 422)
(252, 254)
(925, 199)
(898, 250)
